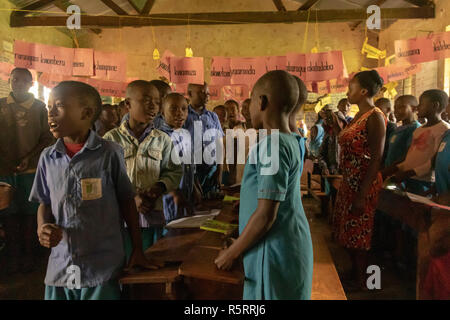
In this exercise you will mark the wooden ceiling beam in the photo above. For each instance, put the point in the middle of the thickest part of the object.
(147, 7)
(307, 5)
(114, 7)
(279, 5)
(225, 18)
(33, 6)
(135, 7)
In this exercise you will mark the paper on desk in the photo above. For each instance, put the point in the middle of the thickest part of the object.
(416, 198)
(194, 221)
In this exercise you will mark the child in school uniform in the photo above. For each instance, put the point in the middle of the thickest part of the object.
(107, 120)
(164, 89)
(179, 203)
(417, 166)
(25, 133)
(209, 175)
(274, 239)
(84, 196)
(147, 158)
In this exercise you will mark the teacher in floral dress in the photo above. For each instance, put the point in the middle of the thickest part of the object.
(362, 144)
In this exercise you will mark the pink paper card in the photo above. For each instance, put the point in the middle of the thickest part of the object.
(338, 85)
(43, 58)
(296, 65)
(413, 51)
(83, 62)
(247, 70)
(275, 63)
(187, 70)
(235, 92)
(441, 45)
(110, 66)
(214, 92)
(324, 66)
(164, 64)
(220, 71)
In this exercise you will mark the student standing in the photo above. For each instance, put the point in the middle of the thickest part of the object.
(25, 133)
(84, 196)
(274, 238)
(147, 157)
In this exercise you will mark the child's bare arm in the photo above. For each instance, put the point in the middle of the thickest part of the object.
(259, 224)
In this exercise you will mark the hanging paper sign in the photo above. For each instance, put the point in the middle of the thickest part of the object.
(321, 87)
(5, 70)
(246, 70)
(110, 66)
(372, 52)
(309, 86)
(43, 58)
(389, 60)
(83, 62)
(107, 88)
(214, 92)
(50, 80)
(413, 51)
(338, 85)
(235, 92)
(187, 70)
(164, 64)
(275, 63)
(441, 45)
(396, 73)
(296, 65)
(220, 71)
(324, 66)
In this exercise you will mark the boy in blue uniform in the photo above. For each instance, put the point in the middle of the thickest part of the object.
(84, 194)
(209, 174)
(274, 233)
(25, 133)
(180, 202)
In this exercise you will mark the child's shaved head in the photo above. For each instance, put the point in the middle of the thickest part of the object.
(280, 89)
(23, 71)
(163, 88)
(409, 100)
(173, 97)
(437, 96)
(87, 95)
(132, 86)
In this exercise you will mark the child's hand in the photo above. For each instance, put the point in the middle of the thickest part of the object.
(138, 259)
(50, 235)
(23, 165)
(225, 259)
(155, 192)
(143, 203)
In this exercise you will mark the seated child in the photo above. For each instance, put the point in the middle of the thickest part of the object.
(84, 195)
(425, 142)
(147, 158)
(180, 202)
(107, 120)
(274, 238)
(25, 133)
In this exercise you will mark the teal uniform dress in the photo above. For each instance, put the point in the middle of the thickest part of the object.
(399, 143)
(442, 166)
(280, 265)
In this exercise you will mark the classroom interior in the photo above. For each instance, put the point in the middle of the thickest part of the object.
(407, 231)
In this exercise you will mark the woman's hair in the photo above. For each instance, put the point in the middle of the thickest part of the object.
(371, 81)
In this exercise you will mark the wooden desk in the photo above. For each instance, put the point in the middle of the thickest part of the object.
(429, 223)
(190, 272)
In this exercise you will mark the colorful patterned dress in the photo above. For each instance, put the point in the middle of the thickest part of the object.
(355, 232)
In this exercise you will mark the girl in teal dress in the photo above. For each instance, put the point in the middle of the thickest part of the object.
(275, 239)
